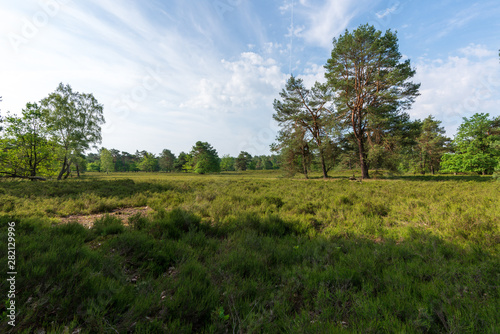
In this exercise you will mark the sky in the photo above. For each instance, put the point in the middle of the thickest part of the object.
(170, 73)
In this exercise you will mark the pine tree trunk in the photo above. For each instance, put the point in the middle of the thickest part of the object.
(323, 165)
(304, 165)
(422, 164)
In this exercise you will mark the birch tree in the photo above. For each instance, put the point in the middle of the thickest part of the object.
(74, 120)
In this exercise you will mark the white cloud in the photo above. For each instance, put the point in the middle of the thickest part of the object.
(477, 50)
(388, 11)
(329, 20)
(285, 7)
(457, 87)
(247, 83)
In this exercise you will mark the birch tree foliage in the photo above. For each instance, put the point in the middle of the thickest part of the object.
(26, 151)
(74, 120)
(107, 164)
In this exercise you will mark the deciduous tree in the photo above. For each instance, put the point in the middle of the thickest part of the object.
(294, 150)
(74, 120)
(227, 163)
(149, 162)
(107, 164)
(475, 148)
(181, 162)
(27, 151)
(94, 166)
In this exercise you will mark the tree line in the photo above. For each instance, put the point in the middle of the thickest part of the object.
(202, 159)
(358, 118)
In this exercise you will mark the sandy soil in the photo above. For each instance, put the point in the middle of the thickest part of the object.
(122, 213)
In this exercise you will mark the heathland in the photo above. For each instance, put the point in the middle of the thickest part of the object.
(254, 252)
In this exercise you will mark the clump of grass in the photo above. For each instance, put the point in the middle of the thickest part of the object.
(107, 225)
(172, 224)
(138, 221)
(274, 200)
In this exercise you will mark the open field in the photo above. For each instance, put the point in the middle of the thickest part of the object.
(253, 252)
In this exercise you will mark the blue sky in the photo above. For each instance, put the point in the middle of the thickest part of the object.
(170, 73)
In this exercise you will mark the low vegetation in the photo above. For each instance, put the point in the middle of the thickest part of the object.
(253, 252)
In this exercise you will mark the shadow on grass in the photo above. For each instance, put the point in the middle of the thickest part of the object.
(103, 188)
(464, 178)
(374, 175)
(255, 275)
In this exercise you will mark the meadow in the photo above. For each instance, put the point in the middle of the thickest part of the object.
(254, 252)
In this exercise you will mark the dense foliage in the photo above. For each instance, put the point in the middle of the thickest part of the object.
(432, 144)
(476, 146)
(27, 150)
(204, 158)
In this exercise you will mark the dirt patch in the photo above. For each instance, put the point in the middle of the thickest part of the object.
(123, 213)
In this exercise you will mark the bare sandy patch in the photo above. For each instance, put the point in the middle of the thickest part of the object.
(123, 213)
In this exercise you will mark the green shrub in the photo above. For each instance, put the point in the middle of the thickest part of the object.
(74, 229)
(138, 221)
(308, 208)
(274, 200)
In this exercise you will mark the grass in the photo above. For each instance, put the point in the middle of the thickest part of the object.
(254, 252)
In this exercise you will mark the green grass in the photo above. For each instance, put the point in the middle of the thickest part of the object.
(255, 252)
